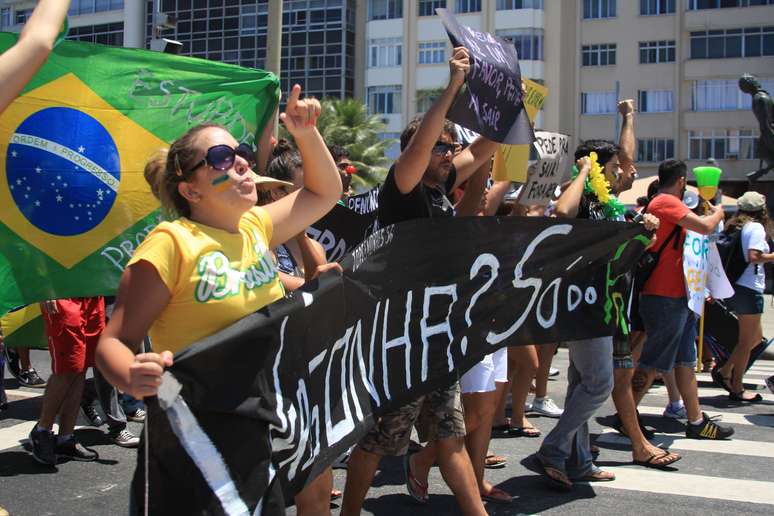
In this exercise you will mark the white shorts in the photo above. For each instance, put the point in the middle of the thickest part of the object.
(482, 377)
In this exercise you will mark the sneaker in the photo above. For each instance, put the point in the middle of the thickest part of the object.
(73, 450)
(546, 407)
(138, 416)
(708, 429)
(527, 407)
(553, 371)
(30, 378)
(43, 444)
(92, 415)
(673, 413)
(770, 383)
(125, 439)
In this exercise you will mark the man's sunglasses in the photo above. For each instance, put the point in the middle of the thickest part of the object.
(440, 148)
(222, 157)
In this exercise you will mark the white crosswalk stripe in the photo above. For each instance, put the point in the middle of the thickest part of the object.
(16, 435)
(726, 417)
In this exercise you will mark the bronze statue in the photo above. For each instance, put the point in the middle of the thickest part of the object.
(763, 109)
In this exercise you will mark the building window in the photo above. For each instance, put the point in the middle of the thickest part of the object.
(722, 144)
(5, 17)
(598, 102)
(657, 51)
(105, 34)
(385, 9)
(528, 43)
(656, 7)
(248, 20)
(431, 52)
(22, 16)
(426, 99)
(94, 6)
(655, 149)
(599, 55)
(654, 101)
(723, 95)
(384, 100)
(719, 44)
(468, 6)
(384, 52)
(598, 9)
(428, 7)
(694, 5)
(509, 5)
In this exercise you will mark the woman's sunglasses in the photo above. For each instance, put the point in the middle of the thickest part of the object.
(222, 157)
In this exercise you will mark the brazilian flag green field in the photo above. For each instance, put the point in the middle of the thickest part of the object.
(73, 200)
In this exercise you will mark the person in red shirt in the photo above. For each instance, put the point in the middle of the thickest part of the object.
(669, 323)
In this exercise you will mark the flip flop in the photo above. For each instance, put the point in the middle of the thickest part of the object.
(650, 463)
(336, 494)
(739, 396)
(493, 461)
(523, 431)
(559, 480)
(498, 496)
(416, 489)
(598, 476)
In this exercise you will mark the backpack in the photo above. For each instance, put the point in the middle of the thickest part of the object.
(731, 253)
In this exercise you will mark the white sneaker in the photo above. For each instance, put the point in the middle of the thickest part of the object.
(527, 407)
(125, 439)
(546, 407)
(553, 372)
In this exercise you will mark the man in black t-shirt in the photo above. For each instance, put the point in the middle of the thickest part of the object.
(419, 185)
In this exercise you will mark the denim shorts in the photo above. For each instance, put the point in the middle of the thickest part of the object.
(671, 329)
(746, 301)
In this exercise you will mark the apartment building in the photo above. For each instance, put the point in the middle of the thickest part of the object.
(109, 22)
(407, 49)
(680, 60)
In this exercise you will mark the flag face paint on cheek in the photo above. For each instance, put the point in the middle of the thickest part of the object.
(221, 183)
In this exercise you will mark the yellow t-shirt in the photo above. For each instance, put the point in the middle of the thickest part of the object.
(215, 277)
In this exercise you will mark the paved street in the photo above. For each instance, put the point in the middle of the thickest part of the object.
(713, 477)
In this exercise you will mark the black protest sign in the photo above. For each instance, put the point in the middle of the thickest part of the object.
(341, 229)
(550, 170)
(492, 102)
(414, 309)
(364, 203)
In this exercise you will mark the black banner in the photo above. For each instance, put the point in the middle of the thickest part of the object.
(364, 203)
(492, 102)
(276, 397)
(341, 230)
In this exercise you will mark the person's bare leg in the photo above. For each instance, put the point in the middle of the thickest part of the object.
(499, 418)
(636, 340)
(421, 462)
(642, 449)
(68, 412)
(525, 360)
(315, 498)
(641, 382)
(56, 393)
(750, 334)
(546, 354)
(457, 471)
(671, 386)
(686, 383)
(479, 412)
(361, 468)
(24, 358)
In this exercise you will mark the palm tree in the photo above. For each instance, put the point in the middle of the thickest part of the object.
(347, 123)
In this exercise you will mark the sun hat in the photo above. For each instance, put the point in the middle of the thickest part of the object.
(751, 201)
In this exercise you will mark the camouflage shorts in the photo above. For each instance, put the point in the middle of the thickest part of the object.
(437, 415)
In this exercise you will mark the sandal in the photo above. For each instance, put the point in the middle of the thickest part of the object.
(336, 494)
(416, 489)
(722, 381)
(523, 431)
(739, 396)
(651, 462)
(598, 476)
(493, 461)
(497, 495)
(555, 477)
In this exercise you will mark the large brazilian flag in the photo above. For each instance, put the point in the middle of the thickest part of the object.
(73, 200)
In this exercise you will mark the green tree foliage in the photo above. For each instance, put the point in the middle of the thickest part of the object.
(347, 123)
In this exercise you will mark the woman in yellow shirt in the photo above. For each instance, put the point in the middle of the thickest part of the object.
(212, 265)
